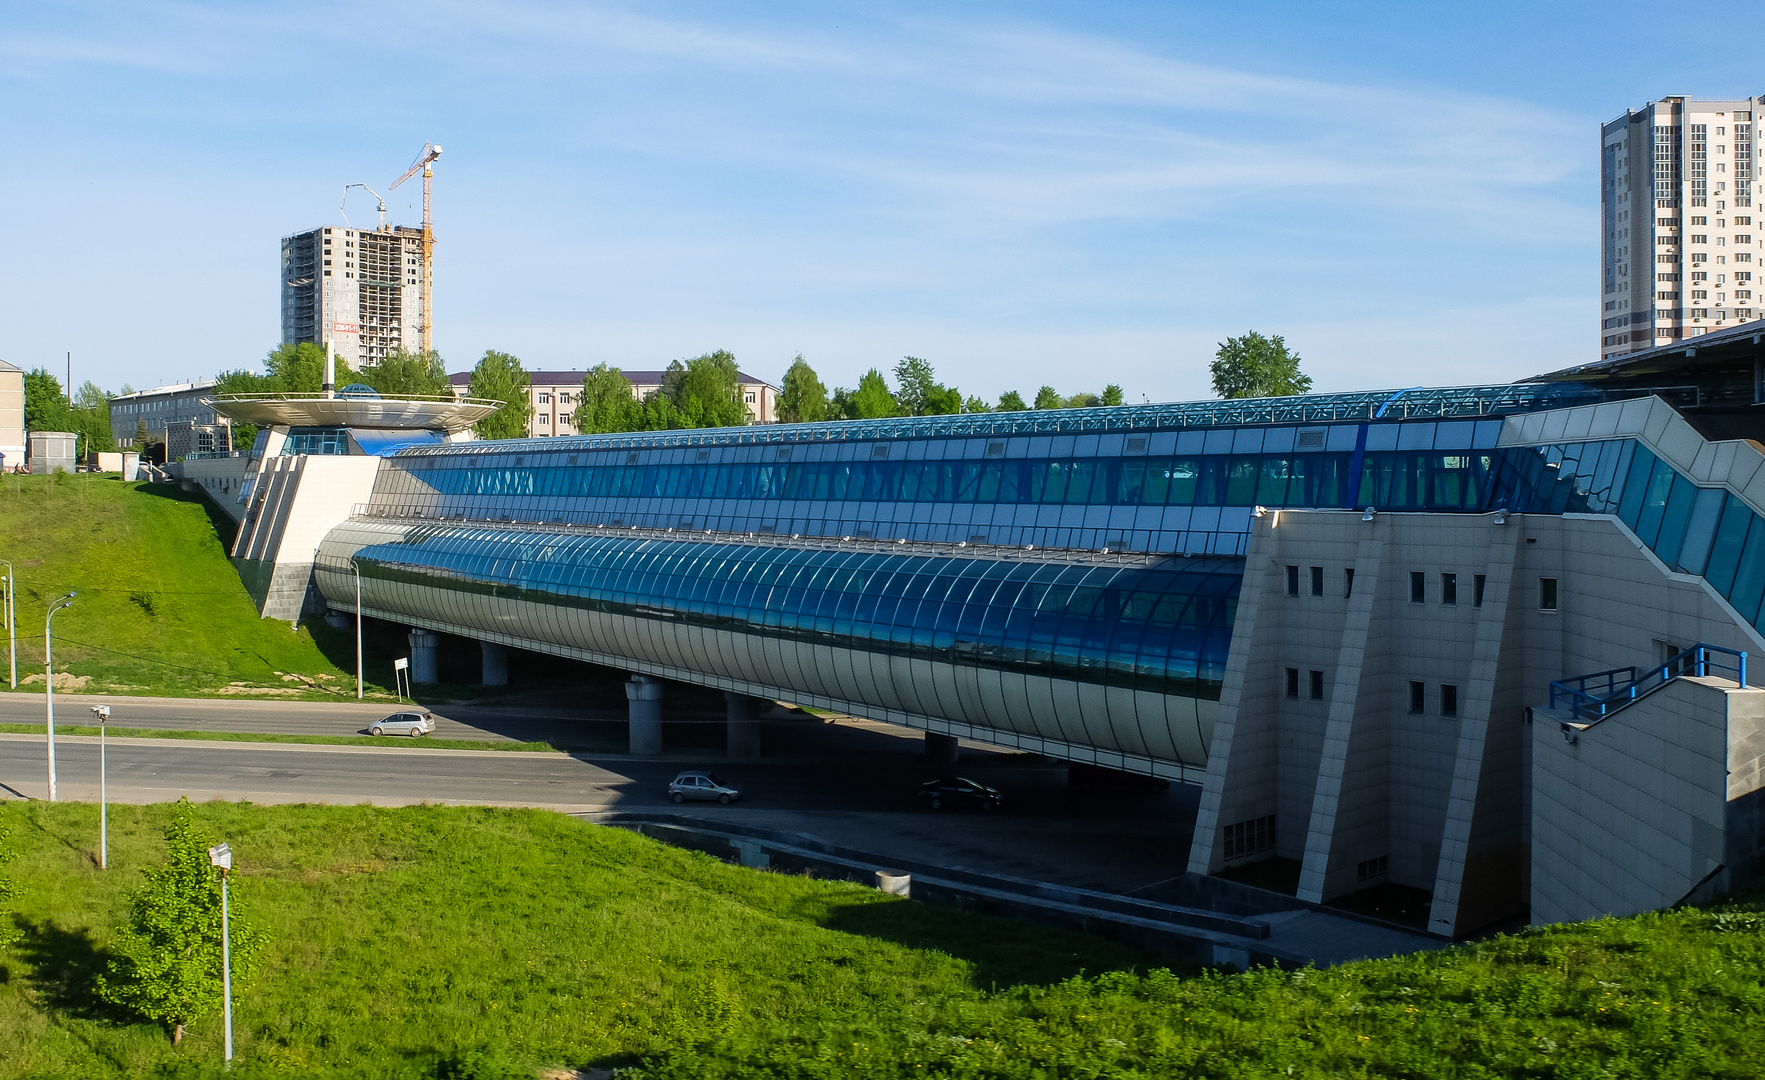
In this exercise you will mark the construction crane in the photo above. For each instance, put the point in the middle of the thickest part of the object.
(343, 207)
(425, 161)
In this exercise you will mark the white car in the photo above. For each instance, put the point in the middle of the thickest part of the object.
(405, 723)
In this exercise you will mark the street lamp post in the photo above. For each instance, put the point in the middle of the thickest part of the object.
(11, 623)
(222, 856)
(358, 627)
(102, 712)
(49, 682)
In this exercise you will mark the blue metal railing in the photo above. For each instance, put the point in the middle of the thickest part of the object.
(1603, 693)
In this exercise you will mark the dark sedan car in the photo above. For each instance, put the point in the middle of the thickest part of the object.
(954, 791)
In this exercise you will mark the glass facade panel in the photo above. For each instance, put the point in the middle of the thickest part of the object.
(1162, 625)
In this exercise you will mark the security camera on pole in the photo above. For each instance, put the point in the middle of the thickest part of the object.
(222, 856)
(102, 712)
(49, 682)
(11, 623)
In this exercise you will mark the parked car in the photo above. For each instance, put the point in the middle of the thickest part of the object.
(703, 786)
(405, 723)
(953, 791)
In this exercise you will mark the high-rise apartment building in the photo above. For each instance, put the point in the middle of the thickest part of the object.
(1677, 226)
(360, 288)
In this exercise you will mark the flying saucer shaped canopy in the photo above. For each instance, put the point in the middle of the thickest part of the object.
(393, 411)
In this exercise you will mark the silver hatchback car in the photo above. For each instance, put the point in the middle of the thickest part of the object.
(405, 723)
(702, 785)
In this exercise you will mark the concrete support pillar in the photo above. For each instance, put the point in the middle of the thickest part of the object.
(424, 667)
(940, 749)
(645, 695)
(496, 663)
(744, 724)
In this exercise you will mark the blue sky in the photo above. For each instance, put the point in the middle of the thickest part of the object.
(1023, 193)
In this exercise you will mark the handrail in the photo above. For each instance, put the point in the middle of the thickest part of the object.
(1696, 661)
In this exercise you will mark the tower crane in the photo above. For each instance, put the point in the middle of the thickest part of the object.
(425, 161)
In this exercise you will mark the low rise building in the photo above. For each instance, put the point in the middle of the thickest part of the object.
(12, 415)
(554, 396)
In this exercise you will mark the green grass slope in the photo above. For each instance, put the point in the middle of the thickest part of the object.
(160, 610)
(428, 942)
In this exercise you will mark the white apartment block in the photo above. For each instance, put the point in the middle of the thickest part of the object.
(359, 288)
(1678, 236)
(554, 396)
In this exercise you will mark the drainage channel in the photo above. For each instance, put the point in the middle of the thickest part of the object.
(1210, 937)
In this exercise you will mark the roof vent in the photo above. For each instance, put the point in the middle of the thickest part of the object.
(1135, 445)
(1311, 439)
(631, 458)
(995, 449)
(880, 450)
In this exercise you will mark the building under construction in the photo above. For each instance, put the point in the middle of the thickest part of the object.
(369, 292)
(359, 288)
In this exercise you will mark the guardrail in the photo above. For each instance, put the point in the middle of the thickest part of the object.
(1602, 693)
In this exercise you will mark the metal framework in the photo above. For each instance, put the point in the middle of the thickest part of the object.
(1418, 403)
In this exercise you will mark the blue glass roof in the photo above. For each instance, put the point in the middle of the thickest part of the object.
(1158, 624)
(1416, 403)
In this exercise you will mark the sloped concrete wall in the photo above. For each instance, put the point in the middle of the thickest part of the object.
(1632, 813)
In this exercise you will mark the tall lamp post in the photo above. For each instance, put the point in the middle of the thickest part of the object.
(222, 856)
(358, 626)
(49, 682)
(102, 712)
(11, 623)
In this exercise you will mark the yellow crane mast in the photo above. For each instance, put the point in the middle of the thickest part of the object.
(425, 161)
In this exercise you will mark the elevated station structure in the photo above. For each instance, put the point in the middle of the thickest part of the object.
(1361, 622)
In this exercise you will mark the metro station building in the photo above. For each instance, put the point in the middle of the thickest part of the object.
(1488, 642)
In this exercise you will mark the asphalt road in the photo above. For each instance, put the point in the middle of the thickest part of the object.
(856, 788)
(343, 717)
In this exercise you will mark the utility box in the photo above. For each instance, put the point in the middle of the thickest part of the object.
(51, 450)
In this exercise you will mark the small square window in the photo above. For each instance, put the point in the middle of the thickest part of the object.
(1293, 682)
(1293, 581)
(1449, 588)
(1547, 593)
(1477, 584)
(1317, 686)
(1317, 581)
(1449, 699)
(1418, 697)
(1418, 587)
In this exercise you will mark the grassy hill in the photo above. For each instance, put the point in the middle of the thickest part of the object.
(160, 609)
(430, 942)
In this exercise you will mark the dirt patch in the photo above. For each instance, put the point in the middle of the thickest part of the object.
(65, 682)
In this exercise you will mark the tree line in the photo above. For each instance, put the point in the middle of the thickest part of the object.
(702, 392)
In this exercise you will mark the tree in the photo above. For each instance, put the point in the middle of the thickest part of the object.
(500, 377)
(607, 403)
(802, 399)
(1049, 398)
(91, 396)
(1081, 400)
(1256, 366)
(975, 404)
(706, 391)
(872, 399)
(300, 368)
(401, 372)
(915, 383)
(166, 960)
(1112, 394)
(1011, 401)
(941, 399)
(46, 407)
